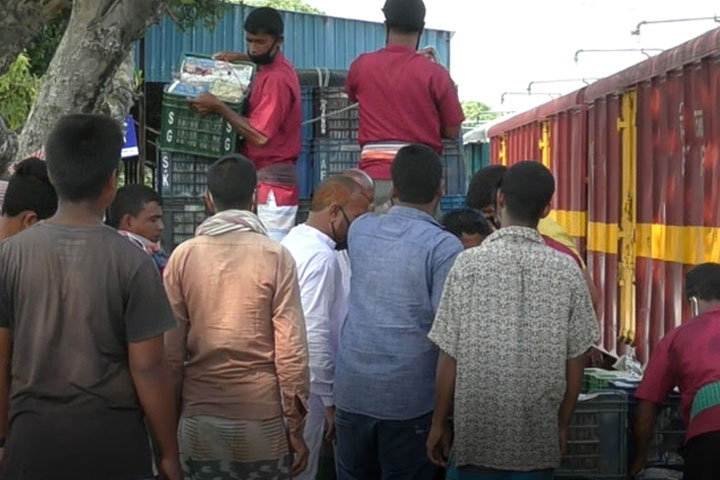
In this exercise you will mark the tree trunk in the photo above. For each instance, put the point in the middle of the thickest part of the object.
(120, 95)
(98, 38)
(8, 147)
(20, 21)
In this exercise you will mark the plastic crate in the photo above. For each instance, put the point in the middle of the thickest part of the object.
(181, 219)
(306, 99)
(597, 445)
(454, 168)
(184, 130)
(183, 176)
(453, 202)
(330, 157)
(668, 434)
(303, 211)
(339, 126)
(305, 172)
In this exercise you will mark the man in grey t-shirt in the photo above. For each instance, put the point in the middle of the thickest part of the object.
(82, 313)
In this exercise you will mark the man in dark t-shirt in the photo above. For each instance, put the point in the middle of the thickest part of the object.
(82, 314)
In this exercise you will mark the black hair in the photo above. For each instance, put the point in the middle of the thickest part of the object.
(82, 152)
(29, 189)
(416, 174)
(265, 20)
(407, 16)
(130, 200)
(232, 181)
(466, 220)
(528, 188)
(484, 186)
(703, 282)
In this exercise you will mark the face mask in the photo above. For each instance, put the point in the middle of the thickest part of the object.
(265, 58)
(340, 244)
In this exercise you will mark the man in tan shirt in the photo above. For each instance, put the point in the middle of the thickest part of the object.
(239, 354)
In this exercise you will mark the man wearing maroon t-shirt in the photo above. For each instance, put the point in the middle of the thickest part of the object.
(404, 96)
(272, 128)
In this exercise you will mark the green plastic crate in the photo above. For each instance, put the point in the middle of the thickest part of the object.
(184, 130)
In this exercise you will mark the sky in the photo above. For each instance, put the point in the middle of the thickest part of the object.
(502, 46)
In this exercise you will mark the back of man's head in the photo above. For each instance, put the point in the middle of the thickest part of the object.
(405, 16)
(232, 181)
(417, 174)
(82, 152)
(528, 188)
(337, 189)
(484, 186)
(467, 221)
(703, 282)
(29, 189)
(130, 200)
(265, 20)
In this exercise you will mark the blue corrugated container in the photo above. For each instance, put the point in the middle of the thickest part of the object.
(311, 41)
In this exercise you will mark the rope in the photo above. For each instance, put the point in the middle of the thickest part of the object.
(331, 114)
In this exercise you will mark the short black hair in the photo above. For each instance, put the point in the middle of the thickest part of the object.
(265, 20)
(703, 282)
(82, 152)
(232, 180)
(484, 186)
(416, 174)
(407, 16)
(29, 189)
(528, 188)
(466, 220)
(130, 200)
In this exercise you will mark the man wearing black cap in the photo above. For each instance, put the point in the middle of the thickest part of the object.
(404, 96)
(272, 128)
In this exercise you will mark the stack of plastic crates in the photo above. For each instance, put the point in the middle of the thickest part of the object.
(454, 168)
(668, 435)
(181, 219)
(331, 157)
(304, 163)
(597, 444)
(450, 203)
(338, 119)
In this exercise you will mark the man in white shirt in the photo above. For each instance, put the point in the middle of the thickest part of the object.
(335, 204)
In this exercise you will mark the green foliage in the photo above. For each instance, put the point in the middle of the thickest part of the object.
(43, 45)
(187, 13)
(477, 113)
(290, 5)
(18, 89)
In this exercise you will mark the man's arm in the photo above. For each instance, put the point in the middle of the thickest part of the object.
(440, 438)
(443, 260)
(291, 356)
(176, 338)
(448, 104)
(208, 103)
(574, 378)
(151, 376)
(5, 378)
(645, 413)
(451, 133)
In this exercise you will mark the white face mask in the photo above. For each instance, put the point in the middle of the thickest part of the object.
(694, 306)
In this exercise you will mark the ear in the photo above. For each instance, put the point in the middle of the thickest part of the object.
(112, 183)
(125, 222)
(394, 193)
(546, 211)
(209, 202)
(28, 219)
(440, 192)
(500, 201)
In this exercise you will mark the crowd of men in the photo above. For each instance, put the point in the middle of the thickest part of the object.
(416, 347)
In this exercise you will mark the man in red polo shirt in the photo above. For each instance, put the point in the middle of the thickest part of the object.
(688, 358)
(272, 128)
(404, 97)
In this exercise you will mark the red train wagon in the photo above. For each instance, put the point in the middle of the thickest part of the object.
(637, 160)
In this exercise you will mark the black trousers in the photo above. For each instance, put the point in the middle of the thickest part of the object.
(702, 457)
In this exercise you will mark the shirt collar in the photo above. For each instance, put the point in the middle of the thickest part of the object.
(399, 48)
(312, 232)
(414, 213)
(522, 233)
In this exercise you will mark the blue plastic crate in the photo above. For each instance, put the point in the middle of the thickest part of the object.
(305, 172)
(330, 157)
(597, 445)
(453, 202)
(454, 169)
(306, 96)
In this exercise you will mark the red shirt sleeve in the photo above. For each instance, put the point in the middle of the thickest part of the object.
(659, 379)
(351, 83)
(446, 98)
(268, 115)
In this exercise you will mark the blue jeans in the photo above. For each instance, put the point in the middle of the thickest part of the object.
(372, 449)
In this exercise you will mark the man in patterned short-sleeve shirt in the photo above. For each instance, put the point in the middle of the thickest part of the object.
(513, 326)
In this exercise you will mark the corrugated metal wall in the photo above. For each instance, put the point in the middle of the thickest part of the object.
(642, 162)
(310, 41)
